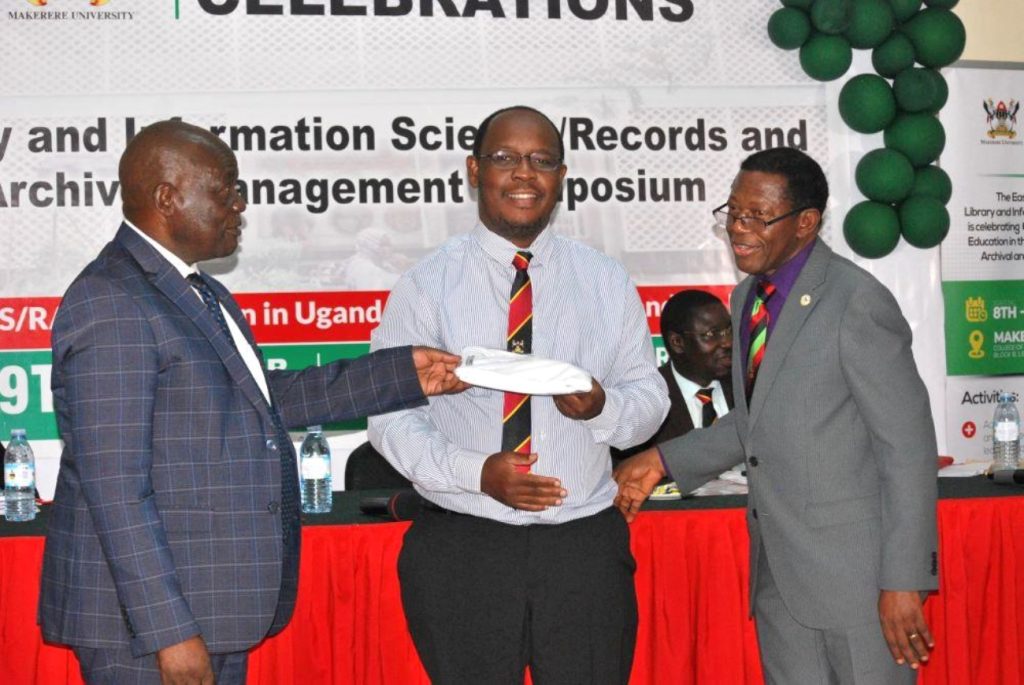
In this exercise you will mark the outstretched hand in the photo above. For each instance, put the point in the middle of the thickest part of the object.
(436, 371)
(637, 477)
(582, 405)
(505, 478)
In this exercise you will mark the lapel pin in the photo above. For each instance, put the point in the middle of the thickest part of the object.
(805, 300)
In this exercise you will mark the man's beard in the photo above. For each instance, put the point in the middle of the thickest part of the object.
(520, 232)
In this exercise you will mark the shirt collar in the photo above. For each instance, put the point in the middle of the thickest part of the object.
(502, 250)
(177, 262)
(785, 276)
(688, 388)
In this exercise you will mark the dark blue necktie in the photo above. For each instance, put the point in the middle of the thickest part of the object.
(212, 303)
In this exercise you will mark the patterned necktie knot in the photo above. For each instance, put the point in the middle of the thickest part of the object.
(765, 289)
(521, 260)
(708, 414)
(212, 303)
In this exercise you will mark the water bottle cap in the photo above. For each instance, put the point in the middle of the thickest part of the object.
(314, 429)
(17, 432)
(1006, 397)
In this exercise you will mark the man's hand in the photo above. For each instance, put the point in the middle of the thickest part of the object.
(636, 477)
(186, 663)
(904, 627)
(518, 489)
(436, 371)
(582, 405)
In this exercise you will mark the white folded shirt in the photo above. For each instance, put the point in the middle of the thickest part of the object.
(526, 374)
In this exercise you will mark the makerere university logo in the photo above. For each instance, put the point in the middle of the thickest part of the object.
(43, 3)
(1001, 118)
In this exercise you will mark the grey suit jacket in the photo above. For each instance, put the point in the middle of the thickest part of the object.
(839, 445)
(167, 519)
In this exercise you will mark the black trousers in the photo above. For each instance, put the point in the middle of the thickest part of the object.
(485, 599)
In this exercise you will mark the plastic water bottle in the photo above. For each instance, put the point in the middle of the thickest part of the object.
(315, 466)
(19, 478)
(1005, 434)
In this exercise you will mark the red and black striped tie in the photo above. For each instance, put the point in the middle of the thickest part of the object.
(707, 408)
(758, 332)
(515, 427)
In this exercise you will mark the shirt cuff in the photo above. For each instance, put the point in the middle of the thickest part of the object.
(603, 426)
(467, 466)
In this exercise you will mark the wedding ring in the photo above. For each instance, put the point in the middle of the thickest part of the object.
(912, 636)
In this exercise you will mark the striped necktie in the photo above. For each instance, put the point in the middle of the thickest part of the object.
(707, 408)
(515, 427)
(758, 332)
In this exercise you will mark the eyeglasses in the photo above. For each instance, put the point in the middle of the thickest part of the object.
(720, 334)
(539, 161)
(753, 224)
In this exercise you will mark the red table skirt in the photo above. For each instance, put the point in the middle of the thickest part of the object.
(691, 583)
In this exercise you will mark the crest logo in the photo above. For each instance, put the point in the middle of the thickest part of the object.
(43, 3)
(1001, 118)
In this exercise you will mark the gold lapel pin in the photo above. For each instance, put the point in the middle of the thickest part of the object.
(805, 300)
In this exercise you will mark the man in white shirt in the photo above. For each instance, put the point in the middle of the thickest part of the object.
(518, 559)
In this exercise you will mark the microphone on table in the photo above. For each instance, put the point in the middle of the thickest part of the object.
(400, 506)
(1008, 476)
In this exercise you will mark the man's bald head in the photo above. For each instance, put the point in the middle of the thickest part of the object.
(161, 153)
(179, 186)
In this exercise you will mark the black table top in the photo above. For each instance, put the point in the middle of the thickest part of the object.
(346, 505)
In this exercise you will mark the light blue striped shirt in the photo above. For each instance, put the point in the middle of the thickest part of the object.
(586, 311)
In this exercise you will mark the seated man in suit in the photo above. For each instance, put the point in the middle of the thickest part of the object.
(697, 332)
(173, 544)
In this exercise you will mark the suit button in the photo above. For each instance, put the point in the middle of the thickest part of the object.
(273, 507)
(271, 445)
(753, 512)
(752, 461)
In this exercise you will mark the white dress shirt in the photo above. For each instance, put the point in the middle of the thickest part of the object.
(696, 408)
(586, 311)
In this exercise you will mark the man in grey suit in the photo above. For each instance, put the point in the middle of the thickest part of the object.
(833, 422)
(174, 539)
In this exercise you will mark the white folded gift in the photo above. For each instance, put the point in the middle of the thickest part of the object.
(526, 374)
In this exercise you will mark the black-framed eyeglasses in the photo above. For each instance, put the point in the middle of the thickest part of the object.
(539, 161)
(720, 335)
(724, 218)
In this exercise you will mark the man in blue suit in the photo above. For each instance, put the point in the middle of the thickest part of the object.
(174, 540)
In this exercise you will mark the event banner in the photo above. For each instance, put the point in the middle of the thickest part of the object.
(983, 256)
(352, 122)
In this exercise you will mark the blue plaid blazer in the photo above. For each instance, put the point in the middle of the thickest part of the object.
(167, 520)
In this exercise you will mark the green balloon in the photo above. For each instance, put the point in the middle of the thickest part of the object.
(893, 56)
(924, 221)
(938, 36)
(826, 58)
(871, 229)
(905, 9)
(919, 89)
(866, 103)
(871, 22)
(932, 181)
(919, 136)
(941, 87)
(944, 4)
(885, 175)
(789, 28)
(799, 4)
(831, 16)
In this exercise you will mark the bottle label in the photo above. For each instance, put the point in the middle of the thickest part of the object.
(19, 476)
(1006, 431)
(316, 468)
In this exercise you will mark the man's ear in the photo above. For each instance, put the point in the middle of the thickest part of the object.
(164, 196)
(675, 343)
(808, 222)
(473, 171)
